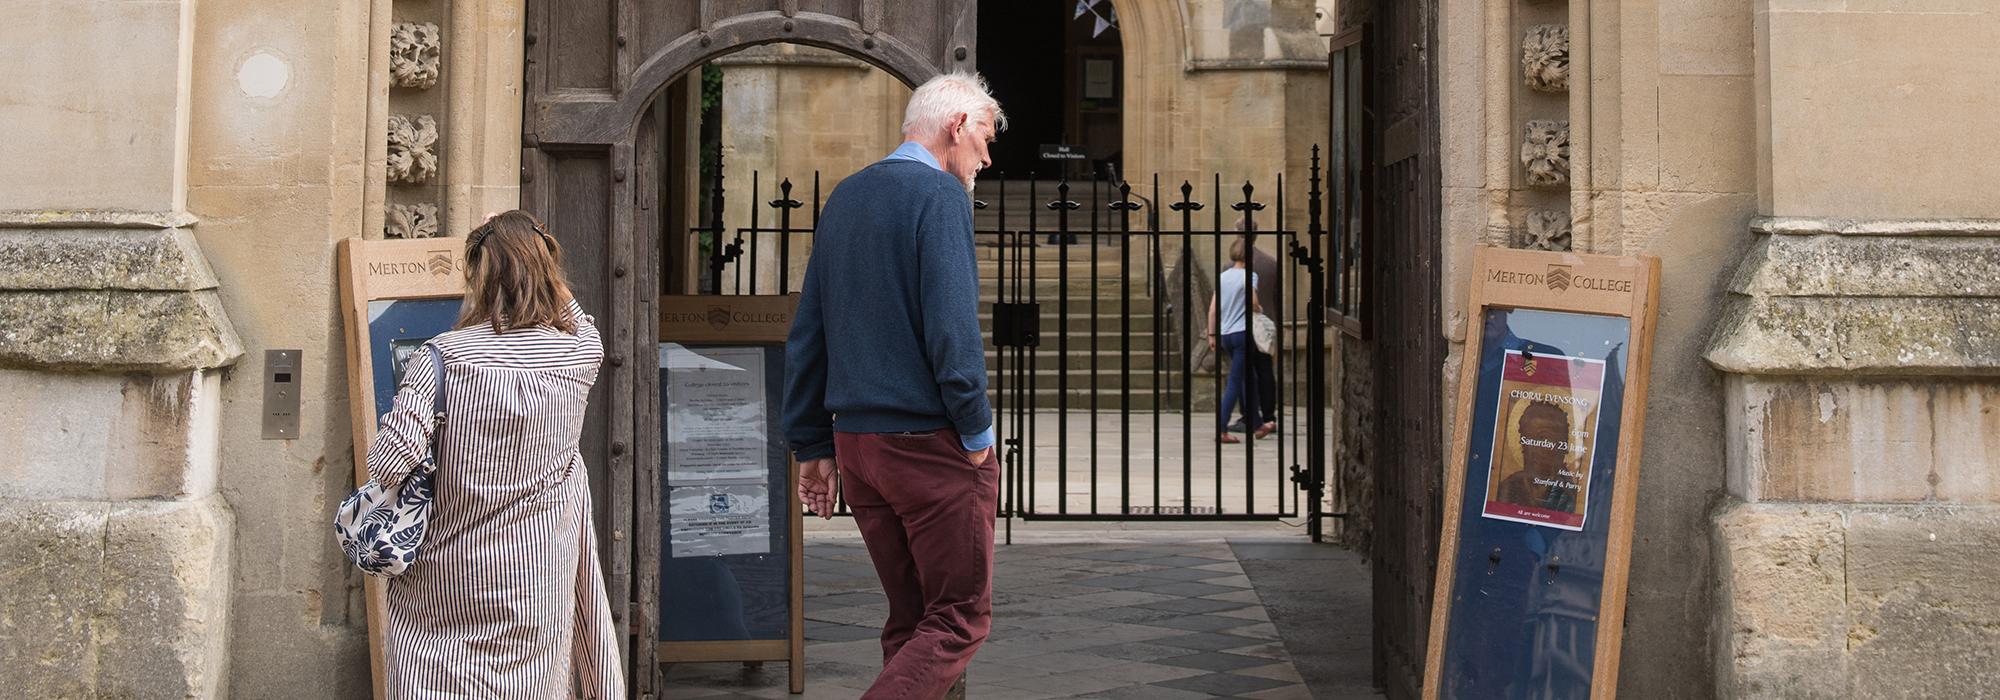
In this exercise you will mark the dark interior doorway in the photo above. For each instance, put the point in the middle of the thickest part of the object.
(1058, 74)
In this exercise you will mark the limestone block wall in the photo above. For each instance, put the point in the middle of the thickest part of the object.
(1863, 432)
(1859, 352)
(1621, 128)
(312, 123)
(791, 110)
(114, 345)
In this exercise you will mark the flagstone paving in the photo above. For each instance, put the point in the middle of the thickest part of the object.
(1091, 616)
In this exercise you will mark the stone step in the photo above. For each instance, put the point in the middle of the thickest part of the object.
(1109, 347)
(1109, 321)
(1048, 289)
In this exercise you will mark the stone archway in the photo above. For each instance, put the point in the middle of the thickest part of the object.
(588, 167)
(1155, 43)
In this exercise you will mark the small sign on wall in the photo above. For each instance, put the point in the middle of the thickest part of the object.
(1062, 151)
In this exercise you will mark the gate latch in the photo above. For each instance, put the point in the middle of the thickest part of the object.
(1015, 323)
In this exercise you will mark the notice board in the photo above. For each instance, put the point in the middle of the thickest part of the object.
(730, 550)
(1541, 484)
(395, 295)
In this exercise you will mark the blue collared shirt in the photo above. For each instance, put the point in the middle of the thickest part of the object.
(911, 150)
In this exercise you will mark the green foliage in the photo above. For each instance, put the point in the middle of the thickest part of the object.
(711, 88)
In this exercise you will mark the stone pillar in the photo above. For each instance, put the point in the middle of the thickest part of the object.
(1861, 341)
(112, 340)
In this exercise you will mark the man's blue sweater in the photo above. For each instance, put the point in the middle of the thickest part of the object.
(887, 334)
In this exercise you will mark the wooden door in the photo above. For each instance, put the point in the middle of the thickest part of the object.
(1407, 344)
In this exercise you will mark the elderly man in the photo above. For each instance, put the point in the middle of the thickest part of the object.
(886, 370)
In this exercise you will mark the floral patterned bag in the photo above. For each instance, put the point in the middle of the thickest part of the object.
(380, 527)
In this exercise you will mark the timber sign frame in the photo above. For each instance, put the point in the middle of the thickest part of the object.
(591, 167)
(1543, 478)
(418, 282)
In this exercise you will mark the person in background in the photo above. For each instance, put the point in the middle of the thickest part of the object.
(1265, 266)
(886, 386)
(506, 598)
(1229, 327)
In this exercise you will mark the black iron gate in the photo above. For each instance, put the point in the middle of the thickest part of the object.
(1095, 302)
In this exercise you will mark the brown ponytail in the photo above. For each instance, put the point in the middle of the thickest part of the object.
(514, 276)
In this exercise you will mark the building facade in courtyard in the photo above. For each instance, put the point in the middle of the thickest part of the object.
(1820, 488)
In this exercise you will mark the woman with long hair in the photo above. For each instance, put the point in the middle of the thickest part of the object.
(506, 598)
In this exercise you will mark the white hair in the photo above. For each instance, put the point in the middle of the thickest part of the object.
(939, 100)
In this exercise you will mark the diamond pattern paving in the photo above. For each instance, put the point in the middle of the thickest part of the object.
(1152, 620)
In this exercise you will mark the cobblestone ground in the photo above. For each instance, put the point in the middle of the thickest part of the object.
(1152, 615)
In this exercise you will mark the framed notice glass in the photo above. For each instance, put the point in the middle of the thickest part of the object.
(1542, 483)
(1100, 78)
(728, 548)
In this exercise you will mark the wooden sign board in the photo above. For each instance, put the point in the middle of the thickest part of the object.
(730, 543)
(395, 294)
(1543, 477)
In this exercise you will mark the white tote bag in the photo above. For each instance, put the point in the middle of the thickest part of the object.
(1265, 332)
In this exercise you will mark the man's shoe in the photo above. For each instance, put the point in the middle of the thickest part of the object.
(1237, 426)
(957, 691)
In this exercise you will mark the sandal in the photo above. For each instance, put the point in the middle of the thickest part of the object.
(1267, 429)
(1227, 439)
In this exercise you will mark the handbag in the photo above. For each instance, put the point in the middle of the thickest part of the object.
(381, 526)
(1264, 332)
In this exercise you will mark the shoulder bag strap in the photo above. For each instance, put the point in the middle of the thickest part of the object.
(437, 396)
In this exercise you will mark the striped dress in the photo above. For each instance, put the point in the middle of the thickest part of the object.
(506, 599)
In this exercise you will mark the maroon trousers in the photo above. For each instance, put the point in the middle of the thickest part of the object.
(927, 515)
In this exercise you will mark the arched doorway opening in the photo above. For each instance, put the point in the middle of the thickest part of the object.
(1062, 83)
(599, 163)
(612, 157)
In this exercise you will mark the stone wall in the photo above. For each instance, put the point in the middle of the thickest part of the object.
(1620, 128)
(1859, 349)
(273, 203)
(114, 346)
(1862, 437)
(790, 111)
(296, 144)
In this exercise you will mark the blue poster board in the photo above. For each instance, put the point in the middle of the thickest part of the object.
(729, 542)
(1525, 601)
(398, 328)
(727, 593)
(1542, 482)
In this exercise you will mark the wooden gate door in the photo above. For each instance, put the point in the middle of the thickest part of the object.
(1408, 342)
(590, 166)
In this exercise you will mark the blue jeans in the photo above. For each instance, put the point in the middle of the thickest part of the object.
(1243, 383)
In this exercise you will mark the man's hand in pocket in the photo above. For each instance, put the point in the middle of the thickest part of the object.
(978, 459)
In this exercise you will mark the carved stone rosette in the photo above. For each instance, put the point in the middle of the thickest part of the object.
(1545, 229)
(411, 221)
(1545, 152)
(412, 148)
(1545, 58)
(414, 54)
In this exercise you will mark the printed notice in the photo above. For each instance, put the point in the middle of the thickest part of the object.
(713, 521)
(1543, 435)
(716, 415)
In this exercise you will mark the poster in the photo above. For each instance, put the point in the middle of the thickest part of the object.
(716, 415)
(1545, 429)
(398, 328)
(720, 519)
